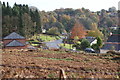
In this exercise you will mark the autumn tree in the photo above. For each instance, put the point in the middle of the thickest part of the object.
(63, 19)
(52, 19)
(95, 32)
(78, 31)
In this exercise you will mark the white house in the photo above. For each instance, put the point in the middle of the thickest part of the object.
(92, 40)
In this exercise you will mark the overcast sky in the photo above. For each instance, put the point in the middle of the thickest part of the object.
(49, 5)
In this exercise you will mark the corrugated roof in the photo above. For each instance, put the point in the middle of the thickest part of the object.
(14, 36)
(14, 43)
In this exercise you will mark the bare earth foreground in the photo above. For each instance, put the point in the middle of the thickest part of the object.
(46, 64)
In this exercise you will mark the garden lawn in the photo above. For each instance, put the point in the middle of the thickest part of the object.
(46, 38)
(67, 46)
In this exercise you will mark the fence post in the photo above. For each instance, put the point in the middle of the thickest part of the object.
(62, 74)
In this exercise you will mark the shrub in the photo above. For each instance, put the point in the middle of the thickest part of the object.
(85, 44)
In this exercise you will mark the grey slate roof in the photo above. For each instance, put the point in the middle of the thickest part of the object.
(114, 38)
(113, 41)
(90, 39)
(14, 43)
(108, 46)
(14, 36)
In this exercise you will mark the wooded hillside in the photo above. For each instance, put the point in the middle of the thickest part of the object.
(28, 21)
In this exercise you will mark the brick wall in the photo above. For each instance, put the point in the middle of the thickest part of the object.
(18, 47)
(6, 41)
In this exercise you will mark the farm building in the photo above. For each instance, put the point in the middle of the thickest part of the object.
(14, 41)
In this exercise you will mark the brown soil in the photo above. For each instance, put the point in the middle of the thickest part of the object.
(46, 64)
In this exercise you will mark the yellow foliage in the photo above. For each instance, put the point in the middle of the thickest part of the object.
(53, 19)
(66, 17)
(95, 33)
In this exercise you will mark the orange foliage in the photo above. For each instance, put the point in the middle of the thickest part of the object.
(78, 31)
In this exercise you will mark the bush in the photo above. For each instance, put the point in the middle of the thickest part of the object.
(85, 44)
(53, 31)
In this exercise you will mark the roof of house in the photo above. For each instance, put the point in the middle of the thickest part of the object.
(14, 36)
(109, 46)
(114, 38)
(112, 42)
(14, 43)
(90, 39)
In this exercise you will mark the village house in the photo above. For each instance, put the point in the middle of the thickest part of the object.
(14, 41)
(113, 43)
(92, 40)
(114, 27)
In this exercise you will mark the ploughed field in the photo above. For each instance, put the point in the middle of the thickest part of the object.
(47, 63)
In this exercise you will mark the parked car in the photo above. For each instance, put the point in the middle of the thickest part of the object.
(90, 50)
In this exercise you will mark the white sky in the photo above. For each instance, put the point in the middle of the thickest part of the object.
(49, 5)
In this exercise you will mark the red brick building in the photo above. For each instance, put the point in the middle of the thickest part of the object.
(14, 41)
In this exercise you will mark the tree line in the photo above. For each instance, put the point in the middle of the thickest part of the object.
(20, 19)
(27, 21)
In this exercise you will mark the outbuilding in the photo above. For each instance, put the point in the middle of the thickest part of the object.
(14, 41)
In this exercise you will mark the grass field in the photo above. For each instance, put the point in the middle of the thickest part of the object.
(45, 37)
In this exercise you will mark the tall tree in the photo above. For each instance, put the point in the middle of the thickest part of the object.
(78, 31)
(94, 32)
(28, 25)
